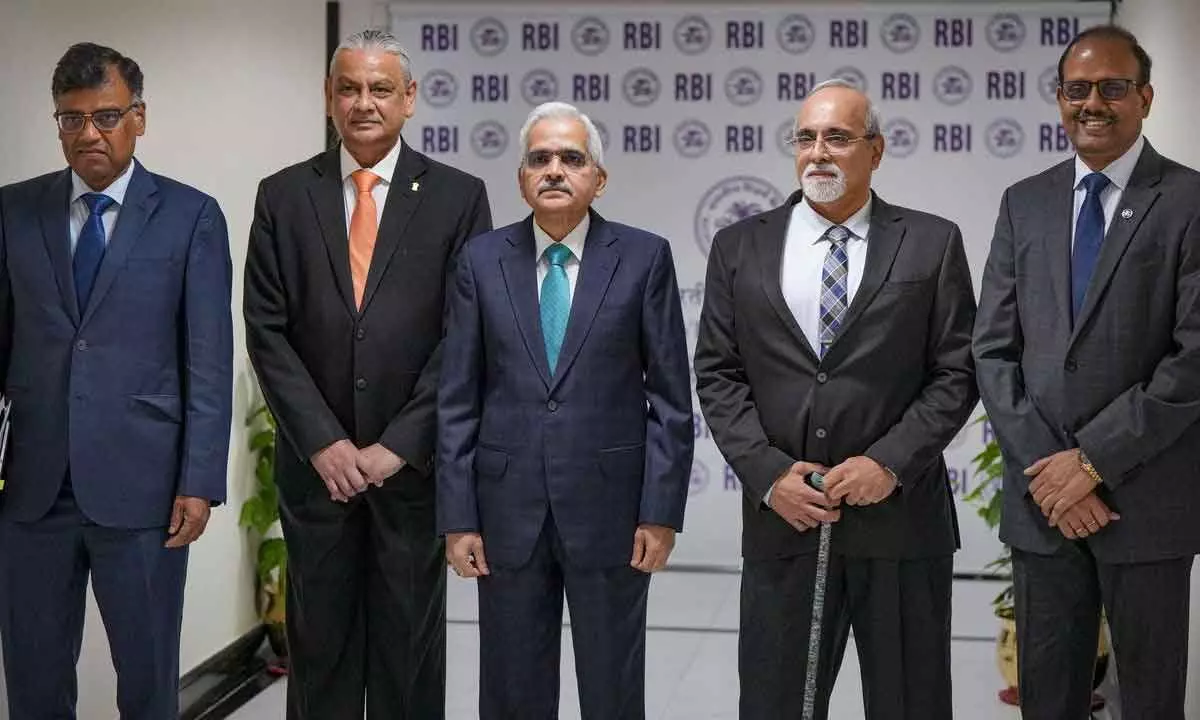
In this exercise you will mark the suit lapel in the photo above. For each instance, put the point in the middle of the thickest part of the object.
(141, 198)
(883, 241)
(402, 202)
(56, 233)
(1134, 204)
(596, 269)
(519, 267)
(329, 201)
(770, 237)
(1056, 240)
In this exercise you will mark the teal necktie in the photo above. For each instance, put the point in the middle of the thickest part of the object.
(555, 302)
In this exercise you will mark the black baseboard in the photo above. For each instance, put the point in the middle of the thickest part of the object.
(226, 681)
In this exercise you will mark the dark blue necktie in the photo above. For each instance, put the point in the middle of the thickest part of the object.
(89, 248)
(1089, 235)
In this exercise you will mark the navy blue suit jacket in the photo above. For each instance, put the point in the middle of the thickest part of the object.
(605, 443)
(134, 393)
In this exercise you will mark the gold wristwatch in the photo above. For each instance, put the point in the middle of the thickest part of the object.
(1088, 468)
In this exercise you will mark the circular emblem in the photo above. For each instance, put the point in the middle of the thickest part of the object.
(539, 86)
(489, 37)
(590, 36)
(489, 139)
(783, 135)
(1048, 84)
(692, 35)
(439, 88)
(729, 201)
(852, 75)
(641, 87)
(952, 85)
(796, 34)
(1005, 32)
(699, 478)
(900, 33)
(692, 138)
(1005, 138)
(900, 138)
(743, 86)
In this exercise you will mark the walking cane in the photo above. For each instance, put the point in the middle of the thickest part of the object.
(818, 609)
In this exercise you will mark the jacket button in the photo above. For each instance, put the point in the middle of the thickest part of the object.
(360, 334)
(81, 345)
(361, 383)
(821, 434)
(1072, 365)
(552, 406)
(822, 377)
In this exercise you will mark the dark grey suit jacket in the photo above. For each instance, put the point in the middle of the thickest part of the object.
(1123, 383)
(896, 385)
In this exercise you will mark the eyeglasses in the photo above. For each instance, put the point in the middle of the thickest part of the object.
(570, 158)
(1110, 88)
(835, 142)
(104, 120)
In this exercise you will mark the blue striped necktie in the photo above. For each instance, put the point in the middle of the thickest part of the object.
(555, 302)
(89, 248)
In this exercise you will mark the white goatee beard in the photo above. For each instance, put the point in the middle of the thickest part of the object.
(822, 189)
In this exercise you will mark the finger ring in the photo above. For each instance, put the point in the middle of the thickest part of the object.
(1091, 526)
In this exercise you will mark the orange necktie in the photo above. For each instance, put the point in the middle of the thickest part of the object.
(364, 226)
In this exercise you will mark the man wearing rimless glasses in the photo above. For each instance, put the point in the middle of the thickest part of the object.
(116, 349)
(564, 432)
(1088, 349)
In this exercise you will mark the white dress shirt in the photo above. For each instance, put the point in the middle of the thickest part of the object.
(1118, 172)
(78, 210)
(574, 240)
(804, 254)
(385, 168)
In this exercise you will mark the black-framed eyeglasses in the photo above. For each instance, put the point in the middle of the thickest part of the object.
(1110, 88)
(835, 142)
(105, 120)
(569, 157)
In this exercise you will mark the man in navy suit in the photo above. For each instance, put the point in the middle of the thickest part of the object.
(565, 432)
(116, 350)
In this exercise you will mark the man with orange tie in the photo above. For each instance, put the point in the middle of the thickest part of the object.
(344, 294)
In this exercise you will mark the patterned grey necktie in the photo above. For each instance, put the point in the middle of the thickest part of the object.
(835, 276)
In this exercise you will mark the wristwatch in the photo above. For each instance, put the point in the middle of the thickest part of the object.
(1086, 465)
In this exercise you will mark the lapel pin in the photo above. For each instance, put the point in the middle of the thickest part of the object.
(417, 186)
(1126, 213)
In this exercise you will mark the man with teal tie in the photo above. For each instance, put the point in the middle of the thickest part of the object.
(564, 432)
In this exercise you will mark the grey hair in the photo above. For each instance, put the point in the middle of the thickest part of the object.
(874, 121)
(562, 110)
(375, 39)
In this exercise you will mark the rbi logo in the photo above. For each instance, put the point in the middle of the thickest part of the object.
(489, 139)
(539, 86)
(439, 88)
(602, 130)
(900, 33)
(692, 138)
(1048, 84)
(796, 34)
(853, 76)
(699, 478)
(489, 37)
(900, 138)
(1005, 32)
(729, 201)
(952, 85)
(641, 87)
(783, 137)
(590, 36)
(1005, 138)
(743, 87)
(693, 35)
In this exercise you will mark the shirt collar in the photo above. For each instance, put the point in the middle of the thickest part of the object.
(574, 239)
(115, 190)
(815, 225)
(385, 168)
(1118, 171)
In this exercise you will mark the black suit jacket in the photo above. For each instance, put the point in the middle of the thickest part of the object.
(1122, 381)
(896, 385)
(327, 370)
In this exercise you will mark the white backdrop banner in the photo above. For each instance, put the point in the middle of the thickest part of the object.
(694, 104)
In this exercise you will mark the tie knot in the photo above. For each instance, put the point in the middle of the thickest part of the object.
(837, 234)
(1095, 182)
(364, 180)
(97, 203)
(558, 254)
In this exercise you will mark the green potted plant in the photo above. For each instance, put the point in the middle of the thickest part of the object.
(260, 514)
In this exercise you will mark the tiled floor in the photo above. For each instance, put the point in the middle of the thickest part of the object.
(692, 656)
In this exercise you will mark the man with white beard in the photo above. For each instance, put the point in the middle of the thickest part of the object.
(836, 339)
